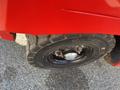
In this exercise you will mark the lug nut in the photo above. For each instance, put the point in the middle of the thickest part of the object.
(78, 49)
(59, 54)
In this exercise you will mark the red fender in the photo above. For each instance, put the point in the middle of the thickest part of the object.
(60, 16)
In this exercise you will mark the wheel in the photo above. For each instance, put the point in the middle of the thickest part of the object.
(57, 51)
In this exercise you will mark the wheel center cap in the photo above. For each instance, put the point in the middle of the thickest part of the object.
(70, 56)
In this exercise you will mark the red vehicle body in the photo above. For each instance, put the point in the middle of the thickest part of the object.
(59, 17)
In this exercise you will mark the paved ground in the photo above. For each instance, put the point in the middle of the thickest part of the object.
(17, 74)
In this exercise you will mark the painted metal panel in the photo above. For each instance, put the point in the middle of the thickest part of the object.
(3, 12)
(63, 16)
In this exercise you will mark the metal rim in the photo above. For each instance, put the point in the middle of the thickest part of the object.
(88, 51)
(66, 57)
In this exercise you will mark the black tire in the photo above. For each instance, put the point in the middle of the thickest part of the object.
(39, 47)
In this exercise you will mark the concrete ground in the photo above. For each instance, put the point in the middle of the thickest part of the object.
(17, 74)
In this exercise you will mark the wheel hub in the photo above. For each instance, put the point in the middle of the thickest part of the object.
(69, 54)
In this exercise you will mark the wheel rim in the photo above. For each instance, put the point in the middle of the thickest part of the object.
(89, 51)
(71, 56)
